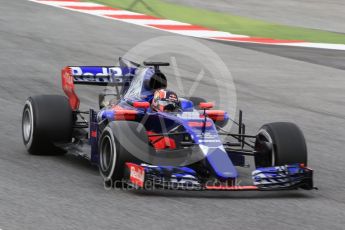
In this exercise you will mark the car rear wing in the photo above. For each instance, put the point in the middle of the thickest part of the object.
(91, 75)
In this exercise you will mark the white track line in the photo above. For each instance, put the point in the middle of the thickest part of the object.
(61, 3)
(205, 33)
(318, 45)
(107, 12)
(153, 22)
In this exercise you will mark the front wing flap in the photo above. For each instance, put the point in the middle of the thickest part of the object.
(283, 177)
(287, 177)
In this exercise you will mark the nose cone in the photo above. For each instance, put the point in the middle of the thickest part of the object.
(219, 162)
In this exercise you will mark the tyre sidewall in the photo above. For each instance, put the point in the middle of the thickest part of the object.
(118, 131)
(109, 173)
(51, 122)
(29, 107)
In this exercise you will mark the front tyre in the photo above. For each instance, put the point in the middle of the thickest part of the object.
(278, 144)
(117, 145)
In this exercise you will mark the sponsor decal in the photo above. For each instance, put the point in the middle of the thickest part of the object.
(95, 71)
(96, 74)
(86, 78)
(200, 124)
(189, 115)
(137, 174)
(210, 141)
(67, 81)
(207, 135)
(68, 87)
(94, 134)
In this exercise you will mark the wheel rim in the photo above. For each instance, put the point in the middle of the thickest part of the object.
(28, 124)
(267, 138)
(106, 153)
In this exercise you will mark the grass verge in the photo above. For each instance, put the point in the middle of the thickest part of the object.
(224, 22)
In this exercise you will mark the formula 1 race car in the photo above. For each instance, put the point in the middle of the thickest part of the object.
(134, 144)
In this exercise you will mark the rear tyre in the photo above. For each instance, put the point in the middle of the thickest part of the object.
(116, 147)
(280, 143)
(47, 119)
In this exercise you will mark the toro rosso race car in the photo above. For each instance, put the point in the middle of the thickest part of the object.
(145, 136)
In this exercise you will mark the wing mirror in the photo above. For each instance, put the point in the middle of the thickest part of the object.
(206, 105)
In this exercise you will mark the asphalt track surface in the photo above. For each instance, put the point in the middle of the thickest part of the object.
(316, 14)
(64, 192)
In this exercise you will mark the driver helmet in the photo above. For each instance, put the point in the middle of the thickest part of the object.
(165, 100)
